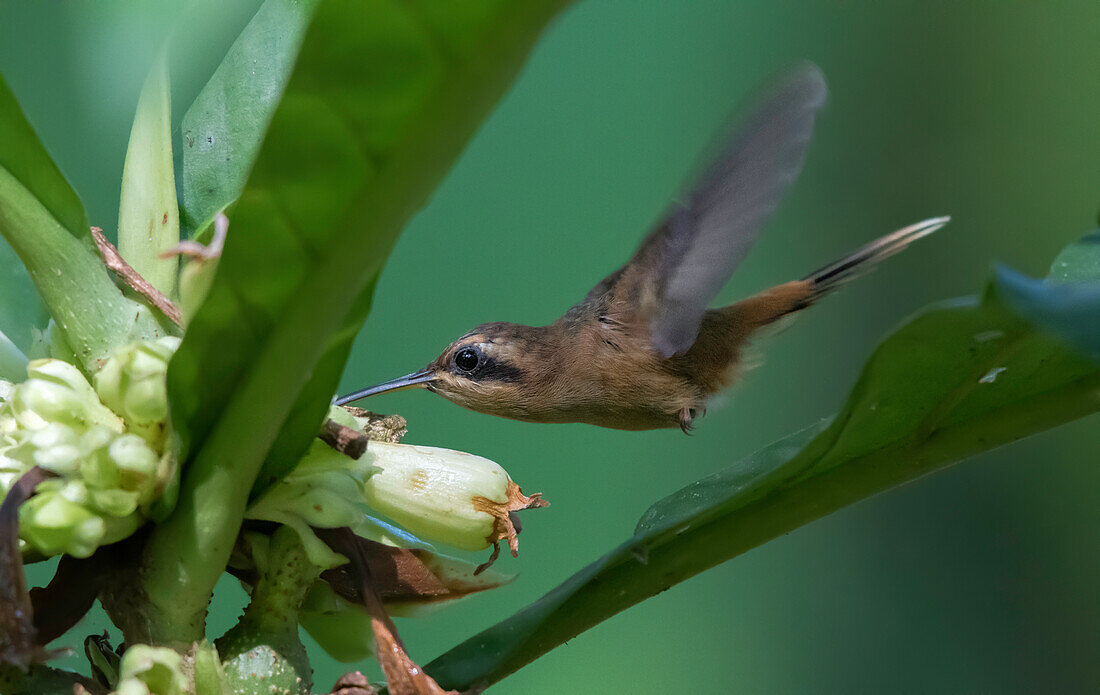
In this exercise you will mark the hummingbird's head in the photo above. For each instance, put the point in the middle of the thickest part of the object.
(484, 370)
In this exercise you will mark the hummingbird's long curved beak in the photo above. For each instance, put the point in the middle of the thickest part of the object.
(414, 380)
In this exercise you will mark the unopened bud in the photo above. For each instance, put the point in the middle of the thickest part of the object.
(132, 384)
(146, 670)
(56, 391)
(53, 524)
(55, 447)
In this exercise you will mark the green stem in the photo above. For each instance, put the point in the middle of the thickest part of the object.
(41, 218)
(262, 653)
(187, 554)
(90, 310)
(282, 586)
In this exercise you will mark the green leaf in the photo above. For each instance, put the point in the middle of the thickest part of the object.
(224, 126)
(383, 97)
(148, 215)
(13, 363)
(1065, 304)
(21, 311)
(44, 222)
(959, 378)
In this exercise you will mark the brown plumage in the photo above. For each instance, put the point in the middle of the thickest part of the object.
(642, 350)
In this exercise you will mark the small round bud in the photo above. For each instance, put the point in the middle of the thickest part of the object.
(146, 670)
(56, 391)
(132, 384)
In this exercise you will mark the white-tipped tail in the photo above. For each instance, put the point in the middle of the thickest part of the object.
(827, 278)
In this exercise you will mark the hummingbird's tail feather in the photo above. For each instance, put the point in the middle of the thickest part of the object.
(865, 258)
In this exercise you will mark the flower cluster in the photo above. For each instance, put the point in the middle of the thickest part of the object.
(104, 446)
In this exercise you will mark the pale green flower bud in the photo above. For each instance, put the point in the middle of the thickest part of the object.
(136, 462)
(53, 524)
(56, 392)
(66, 516)
(55, 447)
(447, 496)
(96, 467)
(146, 670)
(132, 383)
(117, 503)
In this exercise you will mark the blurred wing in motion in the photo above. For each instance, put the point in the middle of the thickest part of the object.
(680, 267)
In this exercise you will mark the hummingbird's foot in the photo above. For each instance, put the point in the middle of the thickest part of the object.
(687, 420)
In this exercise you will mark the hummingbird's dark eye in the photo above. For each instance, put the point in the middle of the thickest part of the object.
(467, 359)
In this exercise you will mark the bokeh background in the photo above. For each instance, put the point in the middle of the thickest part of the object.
(983, 578)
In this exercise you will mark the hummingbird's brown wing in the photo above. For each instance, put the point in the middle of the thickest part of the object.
(679, 268)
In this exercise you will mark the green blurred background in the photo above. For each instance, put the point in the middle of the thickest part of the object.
(984, 578)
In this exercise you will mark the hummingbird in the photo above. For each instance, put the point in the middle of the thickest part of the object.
(642, 350)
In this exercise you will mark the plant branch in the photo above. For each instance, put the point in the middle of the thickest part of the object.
(116, 264)
(19, 645)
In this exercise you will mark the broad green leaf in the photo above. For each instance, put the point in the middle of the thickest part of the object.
(148, 215)
(960, 378)
(223, 128)
(301, 426)
(1065, 304)
(383, 97)
(44, 222)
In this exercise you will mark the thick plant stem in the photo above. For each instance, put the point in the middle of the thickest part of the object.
(237, 407)
(282, 585)
(262, 653)
(187, 554)
(43, 221)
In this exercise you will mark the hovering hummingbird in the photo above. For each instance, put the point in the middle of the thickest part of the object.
(642, 350)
